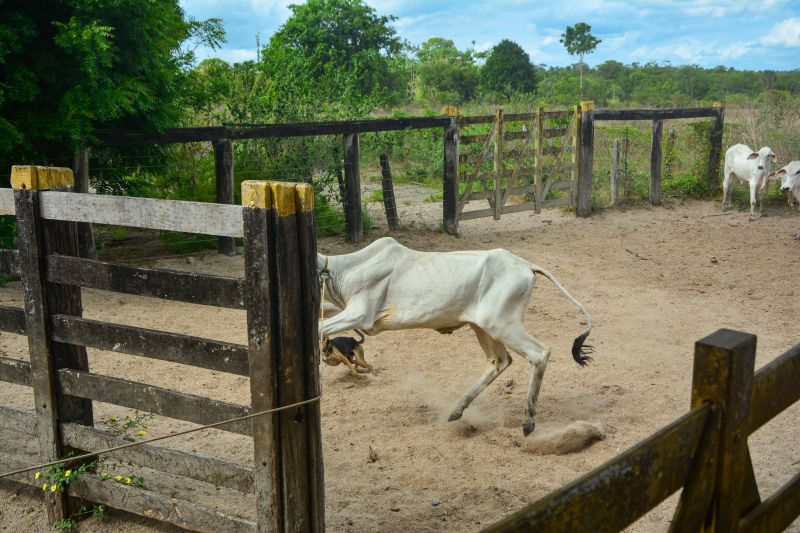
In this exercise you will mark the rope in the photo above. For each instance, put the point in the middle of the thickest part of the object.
(154, 439)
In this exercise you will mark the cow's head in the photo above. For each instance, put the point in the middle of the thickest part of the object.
(764, 157)
(790, 181)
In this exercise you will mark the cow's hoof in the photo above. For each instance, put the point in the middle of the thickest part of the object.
(797, 237)
(527, 427)
(455, 415)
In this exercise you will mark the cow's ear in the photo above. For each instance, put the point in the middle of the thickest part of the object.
(774, 158)
(753, 155)
(322, 262)
(778, 174)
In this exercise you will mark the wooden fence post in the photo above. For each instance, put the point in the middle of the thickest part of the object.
(576, 156)
(716, 146)
(655, 163)
(352, 189)
(80, 169)
(538, 179)
(498, 164)
(387, 186)
(36, 239)
(723, 375)
(223, 168)
(282, 314)
(615, 173)
(584, 202)
(450, 187)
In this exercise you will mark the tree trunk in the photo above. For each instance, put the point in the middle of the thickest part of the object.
(581, 90)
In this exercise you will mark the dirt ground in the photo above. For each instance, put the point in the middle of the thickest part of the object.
(654, 279)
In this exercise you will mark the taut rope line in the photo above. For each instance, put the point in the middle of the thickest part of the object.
(154, 439)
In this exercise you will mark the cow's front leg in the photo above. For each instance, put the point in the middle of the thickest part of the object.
(753, 192)
(355, 316)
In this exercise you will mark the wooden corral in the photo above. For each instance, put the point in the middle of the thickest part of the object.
(280, 294)
(704, 453)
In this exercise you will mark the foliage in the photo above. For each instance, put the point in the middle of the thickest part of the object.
(444, 73)
(508, 70)
(578, 40)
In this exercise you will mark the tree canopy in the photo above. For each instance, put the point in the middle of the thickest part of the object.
(76, 66)
(445, 73)
(508, 70)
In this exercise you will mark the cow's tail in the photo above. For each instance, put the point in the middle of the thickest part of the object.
(580, 351)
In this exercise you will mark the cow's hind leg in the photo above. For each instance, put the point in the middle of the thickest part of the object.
(537, 355)
(727, 183)
(498, 360)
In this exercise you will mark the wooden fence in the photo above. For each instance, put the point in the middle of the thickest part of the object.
(280, 294)
(704, 452)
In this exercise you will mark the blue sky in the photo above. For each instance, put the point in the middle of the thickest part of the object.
(755, 34)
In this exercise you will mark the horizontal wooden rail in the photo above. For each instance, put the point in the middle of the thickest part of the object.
(775, 387)
(174, 215)
(7, 202)
(655, 114)
(15, 371)
(9, 262)
(187, 287)
(12, 319)
(173, 347)
(260, 131)
(775, 513)
(157, 400)
(170, 460)
(140, 501)
(621, 490)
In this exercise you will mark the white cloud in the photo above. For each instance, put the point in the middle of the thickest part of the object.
(786, 33)
(237, 55)
(548, 40)
(734, 51)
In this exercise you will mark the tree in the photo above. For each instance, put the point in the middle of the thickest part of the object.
(77, 66)
(578, 40)
(444, 73)
(508, 70)
(339, 37)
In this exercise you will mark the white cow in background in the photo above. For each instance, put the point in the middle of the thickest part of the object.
(747, 166)
(790, 182)
(387, 286)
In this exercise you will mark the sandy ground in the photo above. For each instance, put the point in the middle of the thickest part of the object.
(655, 281)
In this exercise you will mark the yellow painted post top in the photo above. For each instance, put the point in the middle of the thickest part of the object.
(40, 178)
(287, 198)
(719, 104)
(451, 110)
(587, 106)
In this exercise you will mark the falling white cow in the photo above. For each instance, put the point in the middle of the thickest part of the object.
(387, 286)
(747, 166)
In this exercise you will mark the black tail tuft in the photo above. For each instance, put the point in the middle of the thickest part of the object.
(580, 352)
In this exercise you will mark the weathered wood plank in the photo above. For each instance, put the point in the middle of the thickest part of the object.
(189, 217)
(173, 347)
(476, 213)
(621, 490)
(538, 177)
(777, 512)
(564, 184)
(15, 371)
(260, 131)
(450, 187)
(481, 119)
(172, 461)
(7, 202)
(471, 139)
(654, 114)
(714, 156)
(557, 202)
(775, 387)
(80, 169)
(157, 400)
(19, 420)
(655, 163)
(615, 173)
(550, 133)
(167, 284)
(12, 319)
(585, 161)
(157, 506)
(498, 164)
(9, 262)
(223, 171)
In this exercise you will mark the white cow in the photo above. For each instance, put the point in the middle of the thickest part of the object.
(387, 286)
(747, 166)
(790, 182)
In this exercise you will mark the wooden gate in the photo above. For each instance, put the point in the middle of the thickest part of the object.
(526, 161)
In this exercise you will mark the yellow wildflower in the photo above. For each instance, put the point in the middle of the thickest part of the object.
(38, 475)
(128, 480)
(53, 488)
(67, 473)
(44, 487)
(142, 433)
(118, 478)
